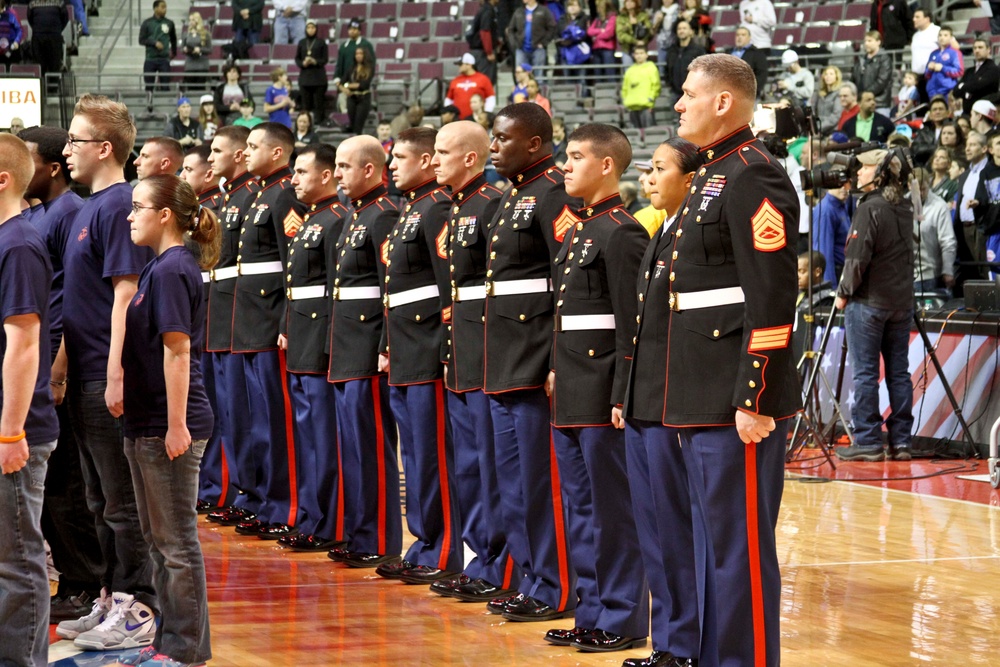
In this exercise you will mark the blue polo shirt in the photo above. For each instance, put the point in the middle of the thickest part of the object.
(25, 276)
(98, 248)
(170, 299)
(53, 220)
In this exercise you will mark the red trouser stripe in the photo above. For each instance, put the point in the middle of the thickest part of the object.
(442, 454)
(753, 548)
(560, 526)
(293, 489)
(339, 530)
(225, 477)
(508, 573)
(380, 461)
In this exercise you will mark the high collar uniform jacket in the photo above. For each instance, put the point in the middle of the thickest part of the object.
(358, 285)
(274, 216)
(736, 229)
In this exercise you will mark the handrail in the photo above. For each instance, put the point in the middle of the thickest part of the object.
(124, 13)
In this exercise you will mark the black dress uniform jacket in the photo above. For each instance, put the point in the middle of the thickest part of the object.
(524, 238)
(737, 228)
(979, 83)
(357, 261)
(418, 258)
(595, 275)
(307, 320)
(274, 216)
(473, 207)
(239, 193)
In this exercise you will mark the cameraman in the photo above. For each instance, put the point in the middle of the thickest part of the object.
(876, 294)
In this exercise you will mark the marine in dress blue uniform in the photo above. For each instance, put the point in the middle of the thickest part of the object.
(372, 513)
(524, 238)
(594, 284)
(713, 358)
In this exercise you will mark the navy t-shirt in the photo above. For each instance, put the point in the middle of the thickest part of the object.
(25, 276)
(98, 248)
(170, 299)
(53, 221)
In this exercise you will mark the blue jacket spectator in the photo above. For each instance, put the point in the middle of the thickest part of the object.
(831, 223)
(945, 66)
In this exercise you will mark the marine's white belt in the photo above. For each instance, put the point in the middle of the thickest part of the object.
(412, 296)
(706, 298)
(470, 293)
(514, 287)
(259, 268)
(206, 277)
(356, 293)
(226, 273)
(584, 322)
(310, 292)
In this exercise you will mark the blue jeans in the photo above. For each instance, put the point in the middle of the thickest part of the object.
(166, 492)
(289, 29)
(872, 332)
(247, 35)
(110, 495)
(537, 58)
(24, 604)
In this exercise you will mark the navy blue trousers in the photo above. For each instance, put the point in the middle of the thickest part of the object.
(662, 510)
(317, 456)
(532, 507)
(476, 491)
(213, 479)
(604, 545)
(429, 467)
(372, 514)
(234, 404)
(271, 436)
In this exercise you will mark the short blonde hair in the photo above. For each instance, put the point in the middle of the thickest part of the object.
(16, 160)
(111, 122)
(727, 72)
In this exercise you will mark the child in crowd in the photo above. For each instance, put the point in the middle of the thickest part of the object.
(640, 88)
(278, 102)
(247, 119)
(908, 97)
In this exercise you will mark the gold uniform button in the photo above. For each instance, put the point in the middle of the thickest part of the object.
(579, 226)
(638, 318)
(693, 189)
(495, 237)
(562, 288)
(747, 403)
(679, 232)
(362, 318)
(455, 210)
(521, 317)
(590, 353)
(484, 318)
(449, 327)
(343, 252)
(416, 317)
(493, 255)
(672, 276)
(314, 316)
(716, 333)
(241, 244)
(635, 339)
(489, 272)
(673, 256)
(647, 275)
(513, 193)
(752, 384)
(570, 256)
(567, 270)
(641, 297)
(559, 303)
(686, 209)
(262, 292)
(576, 239)
(507, 205)
(756, 364)
(702, 172)
(288, 279)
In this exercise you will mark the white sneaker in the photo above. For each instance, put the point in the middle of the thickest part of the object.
(73, 629)
(129, 624)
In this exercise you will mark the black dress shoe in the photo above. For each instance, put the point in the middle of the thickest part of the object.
(900, 453)
(273, 531)
(363, 560)
(480, 590)
(393, 569)
(70, 607)
(565, 637)
(300, 542)
(530, 609)
(338, 554)
(230, 516)
(424, 574)
(499, 605)
(446, 587)
(204, 506)
(660, 659)
(249, 527)
(602, 641)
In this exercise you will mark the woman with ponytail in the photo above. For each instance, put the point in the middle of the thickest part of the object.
(168, 419)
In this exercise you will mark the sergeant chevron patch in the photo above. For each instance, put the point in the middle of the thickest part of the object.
(441, 242)
(768, 228)
(292, 223)
(562, 223)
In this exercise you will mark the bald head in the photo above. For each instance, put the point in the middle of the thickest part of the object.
(460, 153)
(360, 162)
(471, 136)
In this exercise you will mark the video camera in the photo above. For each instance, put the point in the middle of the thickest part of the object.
(844, 156)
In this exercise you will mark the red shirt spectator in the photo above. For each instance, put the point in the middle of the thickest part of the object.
(469, 82)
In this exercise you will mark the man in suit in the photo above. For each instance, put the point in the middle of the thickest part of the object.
(970, 213)
(982, 79)
(751, 55)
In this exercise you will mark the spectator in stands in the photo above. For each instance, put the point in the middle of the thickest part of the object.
(941, 182)
(632, 27)
(409, 117)
(304, 132)
(16, 126)
(641, 85)
(312, 56)
(357, 90)
(11, 36)
(469, 82)
(197, 47)
(700, 21)
(831, 223)
(964, 124)
(869, 125)
(952, 137)
(649, 217)
(759, 18)
(664, 19)
(908, 96)
(522, 75)
(778, 147)
(944, 67)
(158, 35)
(48, 19)
(923, 42)
(757, 59)
(573, 46)
(231, 92)
(936, 247)
(159, 155)
(79, 17)
(971, 212)
(799, 82)
(848, 103)
(248, 19)
(535, 95)
(826, 100)
(984, 117)
(602, 30)
(383, 132)
(529, 37)
(680, 55)
(483, 38)
(629, 192)
(926, 139)
(479, 113)
(988, 196)
(873, 71)
(247, 118)
(346, 59)
(980, 80)
(891, 19)
(182, 127)
(278, 102)
(450, 113)
(208, 117)
(290, 21)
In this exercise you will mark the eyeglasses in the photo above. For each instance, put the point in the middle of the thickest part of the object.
(138, 207)
(73, 142)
